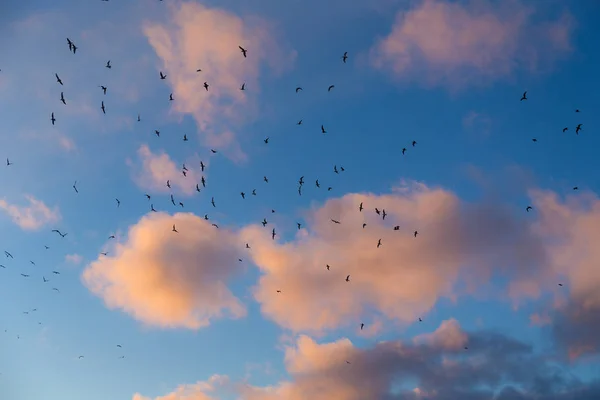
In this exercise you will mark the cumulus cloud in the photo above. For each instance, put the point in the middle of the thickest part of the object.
(203, 390)
(455, 43)
(208, 38)
(33, 216)
(494, 366)
(157, 168)
(169, 279)
(401, 280)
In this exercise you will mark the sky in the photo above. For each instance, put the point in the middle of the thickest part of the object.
(480, 282)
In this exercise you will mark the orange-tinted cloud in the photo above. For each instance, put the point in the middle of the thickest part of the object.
(203, 390)
(198, 37)
(456, 44)
(401, 280)
(169, 279)
(33, 216)
(157, 168)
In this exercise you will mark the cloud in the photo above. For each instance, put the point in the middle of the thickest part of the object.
(208, 38)
(169, 279)
(33, 216)
(572, 225)
(73, 258)
(494, 367)
(404, 278)
(456, 44)
(156, 169)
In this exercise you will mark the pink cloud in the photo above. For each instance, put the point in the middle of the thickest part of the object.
(33, 216)
(157, 168)
(456, 44)
(208, 38)
(169, 279)
(400, 281)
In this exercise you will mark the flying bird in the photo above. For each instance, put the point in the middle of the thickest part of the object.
(416, 233)
(244, 51)
(171, 97)
(62, 98)
(243, 87)
(206, 86)
(360, 207)
(379, 243)
(565, 129)
(323, 129)
(212, 201)
(102, 108)
(524, 96)
(108, 65)
(104, 91)
(345, 57)
(58, 79)
(273, 234)
(8, 163)
(577, 129)
(335, 221)
(529, 208)
(348, 278)
(162, 76)
(330, 87)
(174, 230)
(298, 89)
(75, 187)
(52, 119)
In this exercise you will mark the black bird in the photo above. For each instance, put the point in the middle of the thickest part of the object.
(345, 57)
(264, 222)
(199, 70)
(301, 180)
(185, 139)
(299, 225)
(152, 208)
(104, 91)
(212, 201)
(298, 89)
(330, 87)
(317, 184)
(360, 207)
(577, 129)
(139, 119)
(273, 234)
(62, 98)
(328, 267)
(577, 110)
(266, 140)
(529, 208)
(162, 76)
(169, 184)
(362, 326)
(416, 233)
(414, 143)
(383, 214)
(148, 196)
(300, 190)
(243, 87)
(7, 254)
(102, 108)
(171, 97)
(265, 179)
(565, 129)
(173, 200)
(197, 188)
(244, 51)
(534, 140)
(157, 133)
(108, 65)
(202, 166)
(52, 119)
(335, 169)
(524, 96)
(403, 150)
(348, 278)
(203, 181)
(58, 79)
(243, 195)
(253, 192)
(8, 163)
(379, 243)
(323, 129)
(206, 86)
(174, 230)
(397, 228)
(213, 151)
(59, 232)
(575, 188)
(377, 211)
(70, 44)
(75, 187)
(335, 221)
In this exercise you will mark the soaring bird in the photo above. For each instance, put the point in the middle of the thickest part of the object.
(298, 89)
(174, 230)
(345, 57)
(577, 129)
(323, 129)
(162, 76)
(243, 87)
(244, 51)
(529, 208)
(360, 207)
(58, 79)
(104, 91)
(212, 201)
(102, 108)
(348, 278)
(524, 96)
(52, 119)
(62, 98)
(75, 187)
(273, 234)
(8, 163)
(206, 86)
(108, 65)
(330, 87)
(379, 243)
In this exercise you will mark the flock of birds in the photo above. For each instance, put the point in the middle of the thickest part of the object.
(202, 184)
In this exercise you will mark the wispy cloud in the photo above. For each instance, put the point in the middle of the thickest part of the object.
(32, 216)
(198, 37)
(74, 259)
(456, 44)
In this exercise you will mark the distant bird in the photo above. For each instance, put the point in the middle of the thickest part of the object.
(416, 233)
(203, 181)
(80, 357)
(534, 140)
(52, 119)
(323, 129)
(265, 179)
(202, 166)
(317, 184)
(529, 208)
(197, 188)
(379, 243)
(55, 289)
(397, 228)
(118, 202)
(212, 201)
(139, 118)
(328, 267)
(243, 87)
(62, 98)
(119, 345)
(75, 187)
(273, 234)
(577, 110)
(348, 278)
(335, 169)
(345, 57)
(199, 70)
(8, 163)
(243, 195)
(565, 129)
(111, 237)
(420, 320)
(266, 140)
(104, 91)
(168, 183)
(108, 65)
(575, 188)
(264, 222)
(8, 255)
(162, 76)
(103, 108)
(213, 151)
(377, 211)
(244, 51)
(299, 225)
(148, 196)
(206, 86)
(360, 207)
(174, 230)
(45, 280)
(524, 96)
(414, 142)
(560, 284)
(157, 133)
(577, 129)
(59, 232)
(298, 89)
(58, 79)
(171, 97)
(330, 87)
(403, 150)
(25, 275)
(185, 139)
(253, 192)
(383, 214)
(335, 221)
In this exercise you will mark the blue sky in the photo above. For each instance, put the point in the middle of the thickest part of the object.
(448, 75)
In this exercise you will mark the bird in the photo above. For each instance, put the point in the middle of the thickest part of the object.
(403, 150)
(379, 243)
(152, 208)
(299, 225)
(157, 133)
(575, 188)
(383, 214)
(345, 57)
(174, 230)
(560, 284)
(203, 181)
(414, 142)
(243, 195)
(168, 183)
(197, 188)
(335, 169)
(52, 119)
(577, 110)
(162, 76)
(243, 87)
(58, 79)
(185, 139)
(377, 211)
(8, 255)
(317, 184)
(273, 234)
(524, 96)
(102, 108)
(202, 166)
(104, 91)
(213, 150)
(264, 222)
(62, 98)
(266, 140)
(25, 275)
(397, 228)
(59, 232)
(335, 221)
(244, 51)
(529, 208)
(206, 86)
(328, 267)
(111, 237)
(298, 89)
(577, 129)
(265, 179)
(565, 129)
(44, 278)
(138, 118)
(330, 87)
(171, 97)
(75, 187)
(360, 207)
(212, 201)
(253, 192)
(8, 163)
(199, 70)
(108, 65)
(348, 278)
(323, 129)
(416, 233)
(534, 140)
(55, 289)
